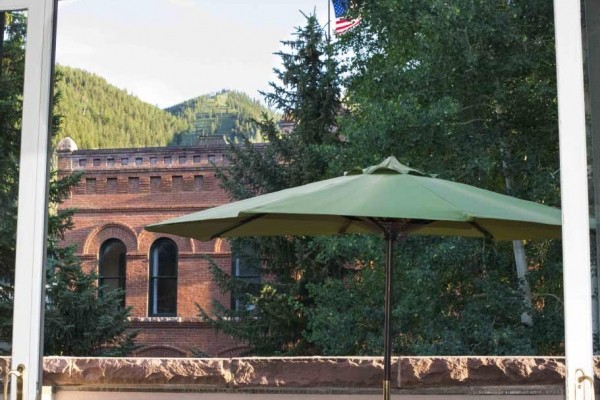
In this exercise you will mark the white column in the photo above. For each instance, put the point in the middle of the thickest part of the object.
(32, 201)
(574, 195)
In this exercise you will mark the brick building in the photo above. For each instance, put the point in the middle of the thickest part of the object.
(164, 277)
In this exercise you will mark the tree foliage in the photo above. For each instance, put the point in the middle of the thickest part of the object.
(274, 315)
(466, 90)
(11, 88)
(77, 323)
(99, 115)
(228, 114)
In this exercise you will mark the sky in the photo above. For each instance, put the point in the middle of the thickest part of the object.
(169, 51)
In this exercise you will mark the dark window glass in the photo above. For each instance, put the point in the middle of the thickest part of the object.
(112, 266)
(182, 159)
(211, 158)
(163, 278)
(153, 160)
(96, 162)
(110, 162)
(246, 268)
(167, 160)
(124, 161)
(197, 159)
(82, 162)
(139, 160)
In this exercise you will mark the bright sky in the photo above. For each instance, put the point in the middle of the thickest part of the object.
(168, 51)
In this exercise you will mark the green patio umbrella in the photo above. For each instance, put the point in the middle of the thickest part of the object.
(389, 199)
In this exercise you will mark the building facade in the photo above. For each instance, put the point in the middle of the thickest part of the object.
(165, 278)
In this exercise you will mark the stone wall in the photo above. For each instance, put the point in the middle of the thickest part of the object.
(418, 378)
(303, 372)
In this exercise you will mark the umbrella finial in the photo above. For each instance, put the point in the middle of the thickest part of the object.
(390, 165)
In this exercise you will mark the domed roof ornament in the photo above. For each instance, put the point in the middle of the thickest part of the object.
(67, 145)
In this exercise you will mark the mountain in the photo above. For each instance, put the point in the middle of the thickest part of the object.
(226, 113)
(98, 115)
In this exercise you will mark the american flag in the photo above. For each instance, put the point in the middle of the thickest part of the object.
(343, 24)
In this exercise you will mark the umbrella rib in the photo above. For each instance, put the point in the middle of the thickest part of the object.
(378, 224)
(481, 229)
(241, 223)
(406, 225)
(351, 219)
(415, 225)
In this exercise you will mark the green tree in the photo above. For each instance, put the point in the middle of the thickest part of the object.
(11, 88)
(228, 114)
(73, 293)
(78, 321)
(466, 90)
(273, 316)
(99, 115)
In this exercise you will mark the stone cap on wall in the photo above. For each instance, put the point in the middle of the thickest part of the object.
(302, 372)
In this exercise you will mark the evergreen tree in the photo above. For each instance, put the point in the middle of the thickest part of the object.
(11, 88)
(78, 321)
(99, 115)
(273, 315)
(228, 114)
(73, 293)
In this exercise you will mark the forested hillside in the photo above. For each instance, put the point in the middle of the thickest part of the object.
(227, 113)
(96, 114)
(99, 115)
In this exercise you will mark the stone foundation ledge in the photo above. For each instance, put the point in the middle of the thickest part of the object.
(327, 373)
(467, 391)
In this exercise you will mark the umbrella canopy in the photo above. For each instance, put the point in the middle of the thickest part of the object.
(361, 200)
(389, 198)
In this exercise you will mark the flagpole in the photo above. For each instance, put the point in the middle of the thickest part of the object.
(328, 21)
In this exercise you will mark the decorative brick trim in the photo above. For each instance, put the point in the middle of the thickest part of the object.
(146, 238)
(113, 230)
(218, 243)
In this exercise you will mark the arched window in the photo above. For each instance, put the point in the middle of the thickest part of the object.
(163, 278)
(111, 266)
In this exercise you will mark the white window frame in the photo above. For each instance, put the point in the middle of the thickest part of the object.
(33, 181)
(27, 346)
(574, 200)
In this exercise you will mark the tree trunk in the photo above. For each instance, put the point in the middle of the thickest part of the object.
(521, 263)
(518, 250)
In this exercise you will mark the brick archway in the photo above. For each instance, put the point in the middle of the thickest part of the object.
(221, 246)
(184, 245)
(110, 231)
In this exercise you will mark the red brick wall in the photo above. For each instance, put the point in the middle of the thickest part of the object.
(114, 200)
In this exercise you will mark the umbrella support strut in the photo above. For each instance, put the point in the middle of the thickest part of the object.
(391, 233)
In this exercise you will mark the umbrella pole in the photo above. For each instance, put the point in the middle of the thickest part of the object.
(391, 235)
